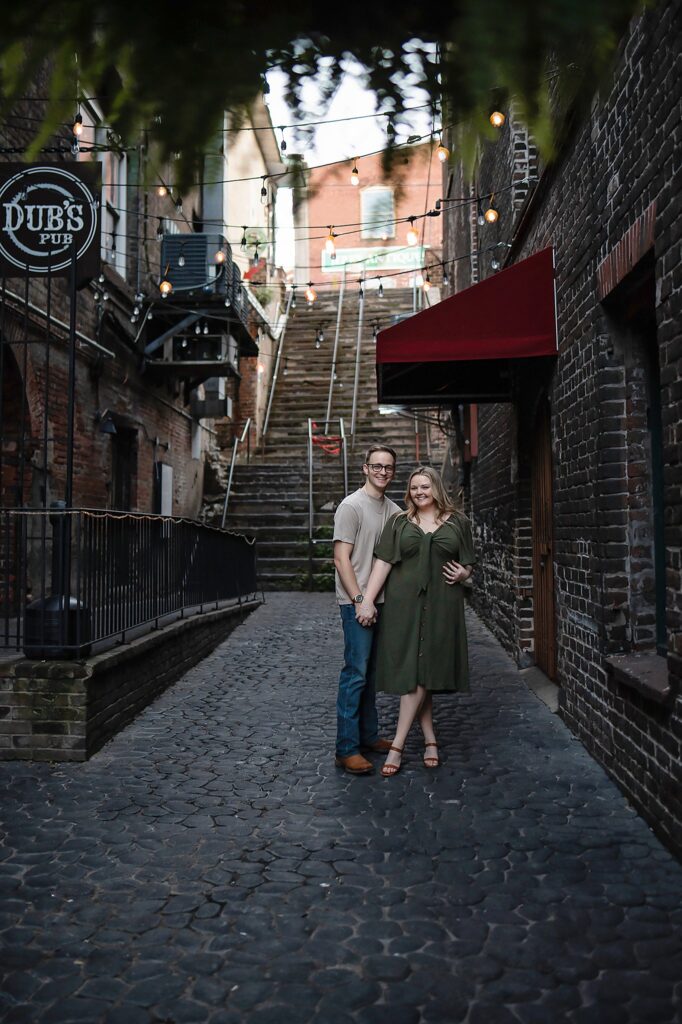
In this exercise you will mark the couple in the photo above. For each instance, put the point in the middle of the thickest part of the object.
(414, 642)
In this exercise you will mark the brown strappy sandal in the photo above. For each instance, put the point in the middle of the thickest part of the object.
(389, 770)
(431, 761)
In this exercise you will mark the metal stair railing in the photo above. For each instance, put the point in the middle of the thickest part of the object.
(244, 436)
(278, 359)
(343, 453)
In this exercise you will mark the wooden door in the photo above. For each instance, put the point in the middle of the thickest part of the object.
(543, 545)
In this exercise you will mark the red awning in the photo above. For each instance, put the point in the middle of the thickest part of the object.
(483, 331)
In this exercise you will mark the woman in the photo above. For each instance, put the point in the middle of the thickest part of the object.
(421, 644)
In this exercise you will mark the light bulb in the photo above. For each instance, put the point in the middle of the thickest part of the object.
(285, 371)
(491, 214)
(426, 283)
(310, 293)
(184, 343)
(329, 244)
(412, 236)
(161, 190)
(244, 242)
(320, 334)
(197, 328)
(446, 279)
(317, 342)
(264, 194)
(355, 174)
(78, 125)
(220, 256)
(181, 260)
(381, 290)
(205, 328)
(159, 230)
(442, 152)
(165, 288)
(495, 264)
(283, 143)
(101, 278)
(261, 369)
(497, 119)
(75, 148)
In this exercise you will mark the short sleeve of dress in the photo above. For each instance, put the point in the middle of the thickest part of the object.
(467, 554)
(388, 548)
(346, 523)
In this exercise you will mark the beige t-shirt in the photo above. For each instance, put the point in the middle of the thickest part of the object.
(359, 520)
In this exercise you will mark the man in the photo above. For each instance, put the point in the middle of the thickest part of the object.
(358, 523)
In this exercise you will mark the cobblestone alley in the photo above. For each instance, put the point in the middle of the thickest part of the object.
(211, 863)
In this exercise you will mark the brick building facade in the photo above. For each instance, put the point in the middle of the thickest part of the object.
(371, 215)
(137, 430)
(596, 449)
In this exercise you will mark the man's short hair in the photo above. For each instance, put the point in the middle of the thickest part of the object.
(379, 448)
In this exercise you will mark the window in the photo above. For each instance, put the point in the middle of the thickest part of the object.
(377, 212)
(114, 191)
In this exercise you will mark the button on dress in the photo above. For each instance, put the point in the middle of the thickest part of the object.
(421, 636)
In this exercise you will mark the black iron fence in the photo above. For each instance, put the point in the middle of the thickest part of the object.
(76, 579)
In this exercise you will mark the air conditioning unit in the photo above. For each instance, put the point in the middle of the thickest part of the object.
(214, 348)
(188, 262)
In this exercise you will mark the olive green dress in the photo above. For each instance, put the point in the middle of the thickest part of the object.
(421, 636)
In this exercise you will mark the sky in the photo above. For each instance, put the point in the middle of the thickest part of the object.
(331, 142)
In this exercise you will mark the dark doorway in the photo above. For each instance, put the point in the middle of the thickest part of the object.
(123, 462)
(543, 543)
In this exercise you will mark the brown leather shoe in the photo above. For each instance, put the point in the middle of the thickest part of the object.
(379, 746)
(356, 764)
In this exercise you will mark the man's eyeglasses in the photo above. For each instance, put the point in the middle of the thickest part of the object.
(377, 467)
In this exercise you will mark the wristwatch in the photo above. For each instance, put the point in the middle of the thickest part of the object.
(358, 599)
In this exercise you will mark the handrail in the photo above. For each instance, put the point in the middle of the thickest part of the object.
(361, 310)
(235, 447)
(345, 455)
(275, 372)
(336, 344)
(310, 480)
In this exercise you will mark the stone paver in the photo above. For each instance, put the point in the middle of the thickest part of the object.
(211, 863)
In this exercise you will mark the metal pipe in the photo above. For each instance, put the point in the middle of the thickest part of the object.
(310, 479)
(361, 310)
(336, 344)
(278, 358)
(60, 323)
(237, 442)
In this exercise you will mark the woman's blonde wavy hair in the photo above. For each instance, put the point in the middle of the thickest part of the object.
(442, 500)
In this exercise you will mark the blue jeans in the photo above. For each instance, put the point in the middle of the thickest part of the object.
(356, 714)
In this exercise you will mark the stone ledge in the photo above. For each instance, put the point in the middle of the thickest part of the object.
(65, 711)
(647, 673)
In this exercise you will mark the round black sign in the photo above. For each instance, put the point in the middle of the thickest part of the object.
(47, 212)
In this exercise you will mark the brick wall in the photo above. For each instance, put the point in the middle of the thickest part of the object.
(66, 711)
(610, 193)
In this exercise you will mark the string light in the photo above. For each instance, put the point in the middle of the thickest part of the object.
(381, 289)
(361, 291)
(491, 213)
(178, 203)
(159, 230)
(220, 257)
(285, 371)
(310, 293)
(355, 174)
(495, 263)
(412, 236)
(442, 152)
(329, 244)
(426, 285)
(283, 143)
(244, 242)
(480, 219)
(293, 297)
(446, 278)
(78, 125)
(197, 328)
(181, 258)
(206, 327)
(165, 287)
(497, 118)
(264, 192)
(319, 337)
(161, 190)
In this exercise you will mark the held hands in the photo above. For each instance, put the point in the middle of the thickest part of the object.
(456, 573)
(366, 613)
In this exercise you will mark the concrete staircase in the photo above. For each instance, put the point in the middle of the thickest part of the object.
(269, 496)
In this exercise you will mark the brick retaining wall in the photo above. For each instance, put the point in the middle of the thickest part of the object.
(66, 710)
